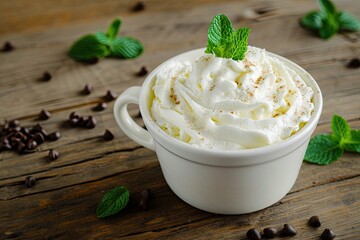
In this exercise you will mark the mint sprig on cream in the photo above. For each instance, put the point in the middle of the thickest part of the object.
(324, 149)
(226, 42)
(101, 44)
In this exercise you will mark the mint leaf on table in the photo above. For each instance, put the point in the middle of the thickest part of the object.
(88, 47)
(224, 41)
(100, 45)
(126, 47)
(113, 29)
(113, 202)
(348, 22)
(328, 21)
(326, 148)
(340, 128)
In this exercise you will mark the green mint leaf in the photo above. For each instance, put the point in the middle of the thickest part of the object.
(353, 144)
(348, 22)
(340, 129)
(102, 38)
(113, 202)
(88, 47)
(126, 47)
(240, 43)
(224, 41)
(327, 7)
(329, 28)
(219, 33)
(313, 20)
(113, 29)
(323, 150)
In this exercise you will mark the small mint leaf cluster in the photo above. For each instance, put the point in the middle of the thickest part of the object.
(226, 42)
(324, 149)
(100, 45)
(328, 21)
(113, 202)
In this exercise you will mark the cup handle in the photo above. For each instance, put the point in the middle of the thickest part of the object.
(125, 121)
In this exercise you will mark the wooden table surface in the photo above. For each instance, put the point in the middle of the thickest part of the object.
(62, 204)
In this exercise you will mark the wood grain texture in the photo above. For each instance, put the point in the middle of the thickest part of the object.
(62, 204)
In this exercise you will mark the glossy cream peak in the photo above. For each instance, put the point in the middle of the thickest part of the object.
(225, 104)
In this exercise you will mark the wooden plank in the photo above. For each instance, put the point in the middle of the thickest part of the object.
(69, 212)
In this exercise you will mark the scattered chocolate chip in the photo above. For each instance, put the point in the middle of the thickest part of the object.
(54, 136)
(328, 234)
(7, 47)
(30, 181)
(44, 115)
(87, 89)
(21, 147)
(74, 115)
(31, 144)
(14, 123)
(46, 76)
(100, 107)
(139, 6)
(314, 221)
(143, 71)
(108, 136)
(270, 232)
(288, 230)
(354, 63)
(144, 199)
(25, 131)
(110, 96)
(90, 122)
(73, 122)
(39, 138)
(253, 234)
(6, 146)
(16, 129)
(81, 122)
(53, 155)
(262, 11)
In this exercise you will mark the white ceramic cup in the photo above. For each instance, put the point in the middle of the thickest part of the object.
(220, 181)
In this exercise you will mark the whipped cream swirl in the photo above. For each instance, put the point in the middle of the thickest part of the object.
(224, 104)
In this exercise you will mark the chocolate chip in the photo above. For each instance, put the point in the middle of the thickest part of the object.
(53, 154)
(108, 136)
(143, 71)
(314, 221)
(144, 199)
(39, 138)
(46, 76)
(354, 63)
(54, 136)
(25, 131)
(253, 234)
(31, 144)
(139, 6)
(90, 122)
(30, 181)
(16, 129)
(6, 146)
(288, 230)
(81, 122)
(44, 115)
(328, 234)
(21, 147)
(15, 141)
(87, 89)
(270, 232)
(100, 107)
(110, 96)
(73, 122)
(74, 115)
(7, 47)
(14, 123)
